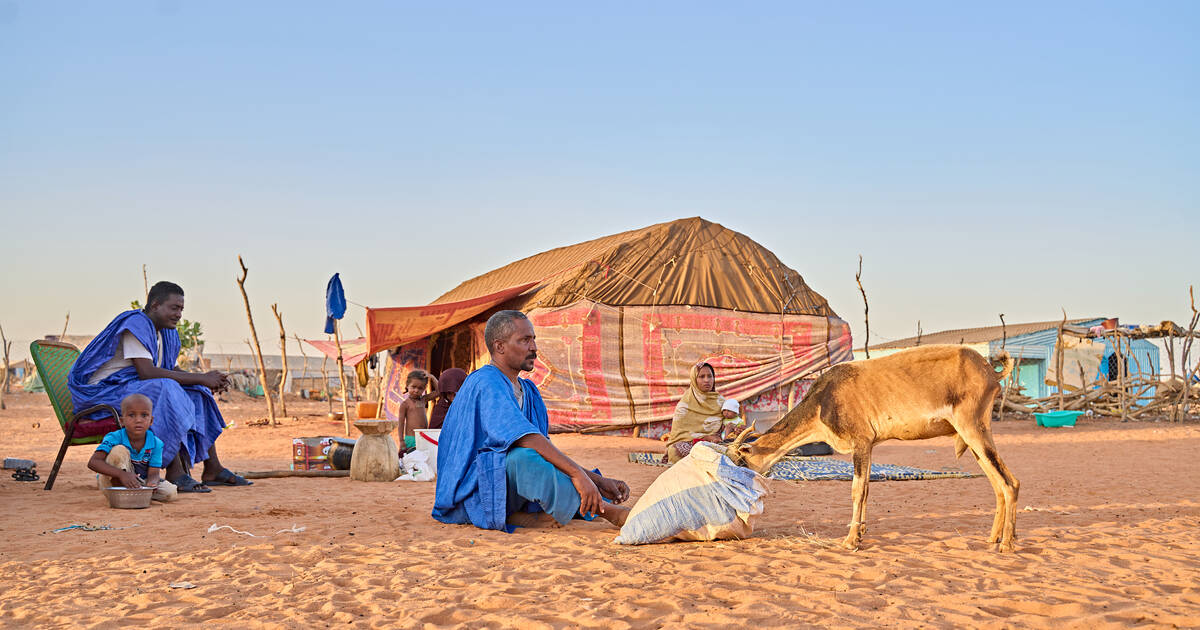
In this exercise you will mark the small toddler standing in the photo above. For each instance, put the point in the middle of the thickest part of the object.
(412, 408)
(132, 457)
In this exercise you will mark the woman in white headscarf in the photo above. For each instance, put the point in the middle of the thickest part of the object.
(700, 415)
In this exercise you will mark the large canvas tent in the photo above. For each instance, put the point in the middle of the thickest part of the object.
(621, 319)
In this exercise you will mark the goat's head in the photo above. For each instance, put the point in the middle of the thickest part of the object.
(767, 449)
(736, 451)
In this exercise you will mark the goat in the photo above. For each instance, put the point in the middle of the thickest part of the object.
(920, 393)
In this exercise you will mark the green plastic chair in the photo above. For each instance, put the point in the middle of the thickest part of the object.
(54, 361)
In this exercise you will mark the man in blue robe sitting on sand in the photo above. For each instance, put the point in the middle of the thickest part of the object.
(136, 354)
(497, 468)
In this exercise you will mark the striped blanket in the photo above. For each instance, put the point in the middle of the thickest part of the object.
(828, 469)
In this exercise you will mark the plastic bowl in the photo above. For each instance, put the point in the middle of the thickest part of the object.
(129, 498)
(1057, 418)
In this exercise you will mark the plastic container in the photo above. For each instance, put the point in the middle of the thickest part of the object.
(129, 498)
(1057, 418)
(366, 409)
(427, 442)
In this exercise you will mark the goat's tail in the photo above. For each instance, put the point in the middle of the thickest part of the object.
(1004, 360)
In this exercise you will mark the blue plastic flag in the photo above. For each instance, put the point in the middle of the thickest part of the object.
(335, 302)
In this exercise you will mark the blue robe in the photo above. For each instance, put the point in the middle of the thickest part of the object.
(480, 429)
(185, 416)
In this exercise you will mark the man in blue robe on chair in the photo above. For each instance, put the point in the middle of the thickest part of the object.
(136, 354)
(496, 466)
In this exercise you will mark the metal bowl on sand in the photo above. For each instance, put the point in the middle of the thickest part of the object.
(129, 498)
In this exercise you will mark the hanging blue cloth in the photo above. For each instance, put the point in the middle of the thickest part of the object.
(483, 423)
(185, 416)
(335, 302)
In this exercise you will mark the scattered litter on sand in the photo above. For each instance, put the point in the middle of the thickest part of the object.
(88, 527)
(182, 585)
(293, 530)
(1030, 508)
(415, 467)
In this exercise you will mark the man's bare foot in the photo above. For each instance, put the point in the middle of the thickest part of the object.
(615, 514)
(532, 519)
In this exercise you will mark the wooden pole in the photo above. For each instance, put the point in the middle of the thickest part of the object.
(262, 370)
(1120, 375)
(7, 345)
(1058, 360)
(337, 338)
(276, 474)
(866, 310)
(63, 336)
(1186, 357)
(1170, 346)
(325, 381)
(283, 353)
(145, 284)
(387, 356)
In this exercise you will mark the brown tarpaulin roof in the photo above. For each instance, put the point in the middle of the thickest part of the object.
(685, 262)
(391, 327)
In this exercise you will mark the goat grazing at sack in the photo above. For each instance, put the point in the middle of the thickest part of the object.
(920, 393)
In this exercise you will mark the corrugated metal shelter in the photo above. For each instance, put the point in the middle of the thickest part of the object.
(621, 319)
(1034, 345)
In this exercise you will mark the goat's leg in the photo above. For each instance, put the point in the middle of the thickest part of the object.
(859, 491)
(1003, 484)
(1001, 504)
(1010, 514)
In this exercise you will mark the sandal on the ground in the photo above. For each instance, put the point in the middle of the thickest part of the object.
(227, 478)
(187, 484)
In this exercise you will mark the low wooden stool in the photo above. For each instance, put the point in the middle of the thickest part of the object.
(375, 457)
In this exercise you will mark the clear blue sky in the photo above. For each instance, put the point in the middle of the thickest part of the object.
(1016, 158)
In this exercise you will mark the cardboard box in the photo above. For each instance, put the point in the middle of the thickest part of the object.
(311, 453)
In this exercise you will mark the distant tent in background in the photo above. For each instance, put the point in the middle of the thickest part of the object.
(621, 320)
(353, 350)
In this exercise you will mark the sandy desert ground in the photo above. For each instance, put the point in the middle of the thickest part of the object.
(1109, 528)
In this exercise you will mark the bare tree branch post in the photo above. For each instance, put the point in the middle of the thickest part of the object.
(7, 345)
(262, 370)
(866, 310)
(1014, 380)
(337, 338)
(304, 366)
(63, 336)
(283, 353)
(919, 331)
(1003, 332)
(145, 284)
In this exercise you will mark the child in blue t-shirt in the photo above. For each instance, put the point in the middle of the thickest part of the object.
(132, 457)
